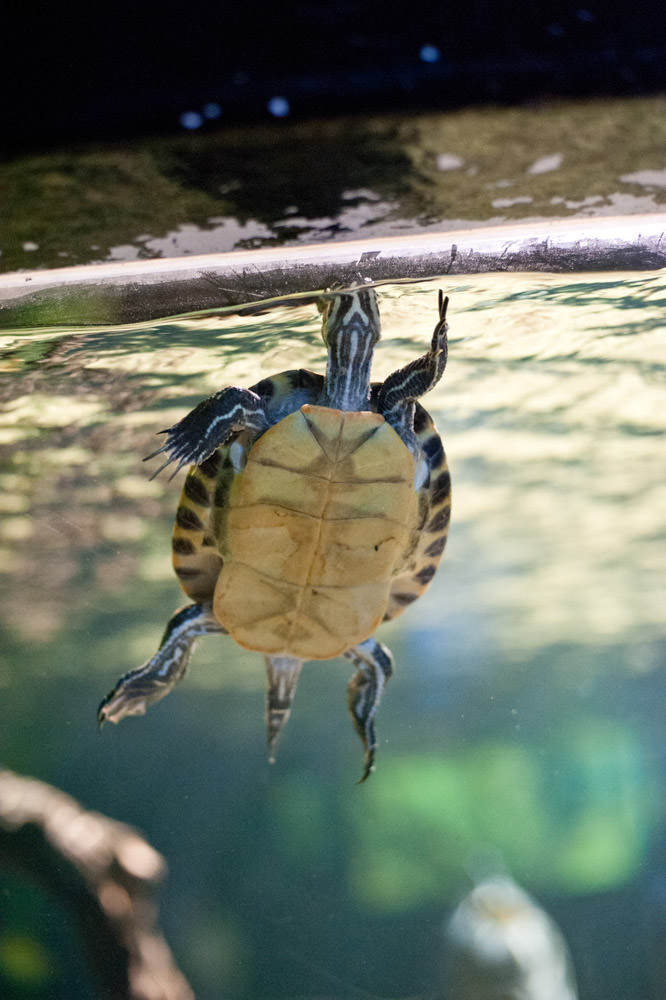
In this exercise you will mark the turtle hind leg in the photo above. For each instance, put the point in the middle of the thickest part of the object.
(283, 673)
(194, 438)
(155, 678)
(374, 664)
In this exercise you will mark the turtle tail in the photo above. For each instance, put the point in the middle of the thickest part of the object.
(283, 673)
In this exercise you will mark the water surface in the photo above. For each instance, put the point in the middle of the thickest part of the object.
(525, 719)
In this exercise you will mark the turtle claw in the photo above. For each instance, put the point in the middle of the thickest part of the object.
(138, 689)
(181, 447)
(442, 305)
(117, 704)
(182, 462)
(368, 765)
(439, 341)
(170, 458)
(211, 424)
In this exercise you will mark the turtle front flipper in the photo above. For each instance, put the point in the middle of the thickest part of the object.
(157, 676)
(364, 691)
(209, 425)
(283, 673)
(397, 395)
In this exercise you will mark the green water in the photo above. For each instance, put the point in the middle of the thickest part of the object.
(525, 718)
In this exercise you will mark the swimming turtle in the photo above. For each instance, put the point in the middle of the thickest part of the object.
(316, 507)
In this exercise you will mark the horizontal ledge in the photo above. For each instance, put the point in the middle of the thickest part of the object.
(137, 291)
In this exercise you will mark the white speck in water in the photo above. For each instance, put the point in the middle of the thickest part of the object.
(191, 120)
(546, 163)
(647, 178)
(508, 202)
(449, 161)
(125, 251)
(279, 107)
(366, 194)
(212, 110)
(590, 200)
(229, 186)
(429, 54)
(29, 246)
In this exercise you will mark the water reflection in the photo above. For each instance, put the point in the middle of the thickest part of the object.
(359, 177)
(527, 709)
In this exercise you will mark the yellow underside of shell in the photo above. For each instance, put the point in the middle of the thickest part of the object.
(317, 528)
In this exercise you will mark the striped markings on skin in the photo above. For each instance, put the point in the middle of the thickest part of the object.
(157, 676)
(204, 437)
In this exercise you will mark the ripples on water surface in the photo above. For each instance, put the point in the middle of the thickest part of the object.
(526, 714)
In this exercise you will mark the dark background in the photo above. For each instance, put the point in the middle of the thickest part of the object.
(80, 71)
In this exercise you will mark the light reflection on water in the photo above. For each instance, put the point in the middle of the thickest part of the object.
(524, 714)
(354, 178)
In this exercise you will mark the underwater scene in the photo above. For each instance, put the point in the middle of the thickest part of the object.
(509, 842)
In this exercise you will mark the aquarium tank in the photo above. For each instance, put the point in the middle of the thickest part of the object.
(409, 357)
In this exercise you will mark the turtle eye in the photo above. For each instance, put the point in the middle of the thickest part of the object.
(323, 304)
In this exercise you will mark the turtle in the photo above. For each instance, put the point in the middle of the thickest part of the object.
(315, 507)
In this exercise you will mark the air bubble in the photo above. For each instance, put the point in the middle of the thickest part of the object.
(279, 107)
(429, 54)
(191, 120)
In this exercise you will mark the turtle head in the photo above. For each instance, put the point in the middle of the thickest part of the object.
(350, 330)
